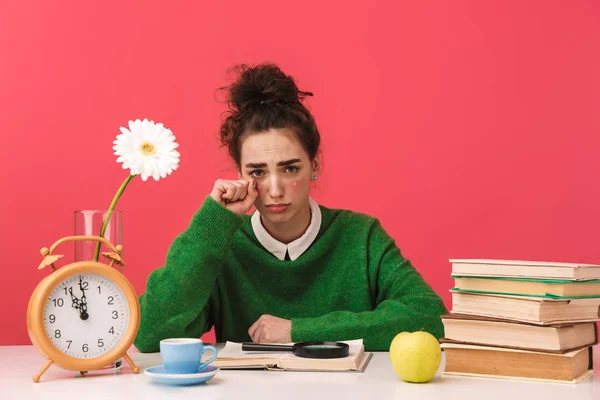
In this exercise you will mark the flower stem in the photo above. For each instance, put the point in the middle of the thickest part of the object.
(110, 211)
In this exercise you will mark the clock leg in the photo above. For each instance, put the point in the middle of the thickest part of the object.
(36, 378)
(134, 367)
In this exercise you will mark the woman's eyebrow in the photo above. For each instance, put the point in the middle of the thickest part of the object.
(288, 162)
(279, 164)
(255, 165)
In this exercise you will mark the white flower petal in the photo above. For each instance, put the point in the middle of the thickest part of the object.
(127, 146)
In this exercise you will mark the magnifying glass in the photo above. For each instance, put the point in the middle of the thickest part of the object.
(304, 349)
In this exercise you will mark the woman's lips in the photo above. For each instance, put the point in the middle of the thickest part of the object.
(277, 207)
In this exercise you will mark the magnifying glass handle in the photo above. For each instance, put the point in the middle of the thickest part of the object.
(265, 347)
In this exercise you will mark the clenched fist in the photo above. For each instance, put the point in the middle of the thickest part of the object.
(270, 329)
(236, 196)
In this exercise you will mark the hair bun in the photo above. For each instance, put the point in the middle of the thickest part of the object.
(263, 84)
(263, 98)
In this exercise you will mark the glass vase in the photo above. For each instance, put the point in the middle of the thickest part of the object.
(89, 223)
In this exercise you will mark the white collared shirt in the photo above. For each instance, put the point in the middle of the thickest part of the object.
(295, 248)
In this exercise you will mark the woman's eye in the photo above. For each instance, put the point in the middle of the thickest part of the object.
(291, 168)
(256, 173)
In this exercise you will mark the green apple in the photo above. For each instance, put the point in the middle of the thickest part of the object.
(415, 356)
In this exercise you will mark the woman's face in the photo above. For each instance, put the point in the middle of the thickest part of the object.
(282, 170)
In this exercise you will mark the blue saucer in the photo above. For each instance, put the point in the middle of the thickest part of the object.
(159, 375)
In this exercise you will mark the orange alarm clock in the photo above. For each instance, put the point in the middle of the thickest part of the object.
(85, 315)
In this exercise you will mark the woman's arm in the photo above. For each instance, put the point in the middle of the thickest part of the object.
(404, 302)
(176, 300)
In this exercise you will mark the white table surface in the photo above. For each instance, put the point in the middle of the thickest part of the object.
(19, 363)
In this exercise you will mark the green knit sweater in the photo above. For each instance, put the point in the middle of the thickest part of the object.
(351, 283)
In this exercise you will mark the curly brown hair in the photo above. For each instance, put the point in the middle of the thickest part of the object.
(263, 97)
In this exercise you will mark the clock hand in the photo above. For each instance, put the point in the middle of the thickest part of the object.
(74, 299)
(83, 304)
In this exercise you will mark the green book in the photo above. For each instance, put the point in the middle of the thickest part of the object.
(531, 287)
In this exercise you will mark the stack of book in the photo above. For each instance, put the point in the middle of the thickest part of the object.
(523, 320)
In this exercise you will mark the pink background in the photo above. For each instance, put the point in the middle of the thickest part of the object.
(470, 128)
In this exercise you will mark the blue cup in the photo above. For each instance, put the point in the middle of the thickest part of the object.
(184, 356)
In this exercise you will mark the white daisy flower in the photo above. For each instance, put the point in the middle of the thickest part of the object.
(147, 149)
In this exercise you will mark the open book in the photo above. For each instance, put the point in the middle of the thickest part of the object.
(233, 357)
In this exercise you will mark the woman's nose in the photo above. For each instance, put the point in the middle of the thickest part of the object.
(275, 187)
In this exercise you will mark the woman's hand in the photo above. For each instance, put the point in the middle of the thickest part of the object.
(236, 196)
(270, 329)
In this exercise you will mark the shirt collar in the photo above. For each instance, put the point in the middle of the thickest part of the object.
(298, 246)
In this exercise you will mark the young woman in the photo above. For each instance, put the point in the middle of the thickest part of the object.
(293, 270)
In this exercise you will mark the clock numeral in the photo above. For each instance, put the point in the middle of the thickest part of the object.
(99, 290)
(111, 330)
(66, 293)
(58, 302)
(84, 285)
(52, 318)
(115, 314)
(69, 346)
(100, 343)
(57, 333)
(85, 348)
(111, 300)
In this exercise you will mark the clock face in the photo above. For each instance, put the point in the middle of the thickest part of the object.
(86, 316)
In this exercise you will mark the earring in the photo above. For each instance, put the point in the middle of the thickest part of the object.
(314, 177)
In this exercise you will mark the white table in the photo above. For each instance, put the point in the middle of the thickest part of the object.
(19, 363)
